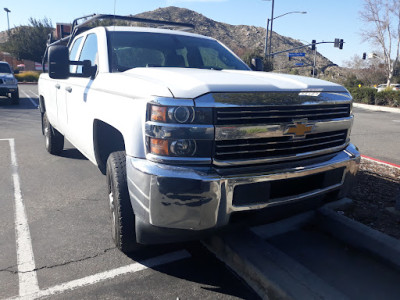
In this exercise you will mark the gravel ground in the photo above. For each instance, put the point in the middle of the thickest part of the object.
(374, 198)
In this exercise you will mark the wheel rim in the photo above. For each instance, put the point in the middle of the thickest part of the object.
(113, 217)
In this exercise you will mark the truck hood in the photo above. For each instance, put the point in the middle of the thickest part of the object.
(192, 83)
(6, 75)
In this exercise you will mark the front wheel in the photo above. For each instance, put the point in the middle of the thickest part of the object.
(54, 140)
(15, 98)
(121, 212)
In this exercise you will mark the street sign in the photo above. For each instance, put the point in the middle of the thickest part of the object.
(299, 64)
(296, 54)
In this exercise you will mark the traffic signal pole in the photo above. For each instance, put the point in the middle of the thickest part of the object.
(300, 47)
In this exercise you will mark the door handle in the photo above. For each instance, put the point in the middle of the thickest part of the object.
(57, 86)
(68, 89)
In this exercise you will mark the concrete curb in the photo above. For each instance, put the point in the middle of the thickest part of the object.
(27, 83)
(377, 108)
(360, 236)
(268, 271)
(275, 275)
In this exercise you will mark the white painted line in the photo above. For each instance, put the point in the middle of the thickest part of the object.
(99, 277)
(28, 282)
(30, 99)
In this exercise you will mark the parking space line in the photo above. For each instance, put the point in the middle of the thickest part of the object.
(99, 277)
(30, 99)
(27, 276)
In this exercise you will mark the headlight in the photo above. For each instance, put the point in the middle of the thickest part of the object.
(180, 114)
(183, 147)
(176, 133)
(179, 147)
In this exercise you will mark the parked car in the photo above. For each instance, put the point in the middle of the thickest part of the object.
(8, 83)
(393, 86)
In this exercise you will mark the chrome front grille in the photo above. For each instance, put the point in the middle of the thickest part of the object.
(284, 146)
(279, 114)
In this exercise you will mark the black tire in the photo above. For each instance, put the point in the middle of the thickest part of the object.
(15, 98)
(121, 212)
(54, 140)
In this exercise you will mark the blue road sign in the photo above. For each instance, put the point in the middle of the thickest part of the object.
(294, 54)
(299, 64)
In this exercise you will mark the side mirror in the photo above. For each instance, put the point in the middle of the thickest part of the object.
(59, 63)
(257, 64)
(58, 57)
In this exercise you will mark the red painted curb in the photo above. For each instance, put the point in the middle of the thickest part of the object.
(381, 161)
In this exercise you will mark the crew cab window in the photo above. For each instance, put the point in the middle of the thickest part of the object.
(73, 53)
(129, 50)
(89, 51)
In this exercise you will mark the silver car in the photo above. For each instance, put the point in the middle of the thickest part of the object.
(8, 83)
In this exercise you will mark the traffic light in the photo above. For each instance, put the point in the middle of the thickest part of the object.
(313, 45)
(341, 44)
(364, 55)
(290, 58)
(314, 72)
(337, 43)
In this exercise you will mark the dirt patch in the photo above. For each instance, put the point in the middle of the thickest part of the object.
(375, 194)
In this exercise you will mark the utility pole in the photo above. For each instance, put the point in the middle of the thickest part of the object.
(266, 40)
(272, 23)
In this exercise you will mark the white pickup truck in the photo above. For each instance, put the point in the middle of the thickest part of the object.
(188, 135)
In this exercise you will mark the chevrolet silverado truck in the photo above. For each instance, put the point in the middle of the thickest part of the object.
(187, 134)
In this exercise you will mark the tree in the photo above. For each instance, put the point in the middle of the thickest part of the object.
(367, 72)
(384, 16)
(29, 42)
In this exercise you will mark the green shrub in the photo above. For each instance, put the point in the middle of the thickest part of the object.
(364, 95)
(28, 76)
(388, 98)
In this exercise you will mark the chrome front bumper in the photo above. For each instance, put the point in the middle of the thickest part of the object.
(197, 199)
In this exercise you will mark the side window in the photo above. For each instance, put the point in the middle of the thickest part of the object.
(73, 51)
(89, 50)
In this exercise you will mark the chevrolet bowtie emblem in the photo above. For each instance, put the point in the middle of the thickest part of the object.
(299, 129)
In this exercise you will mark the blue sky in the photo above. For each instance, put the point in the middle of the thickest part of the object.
(325, 19)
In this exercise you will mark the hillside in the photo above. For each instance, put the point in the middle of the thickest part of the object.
(241, 39)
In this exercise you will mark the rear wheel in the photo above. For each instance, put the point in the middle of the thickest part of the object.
(121, 212)
(54, 140)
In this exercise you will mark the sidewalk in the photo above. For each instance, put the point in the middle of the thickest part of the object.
(377, 108)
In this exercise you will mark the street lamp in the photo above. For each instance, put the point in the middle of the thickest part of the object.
(268, 49)
(8, 20)
(270, 35)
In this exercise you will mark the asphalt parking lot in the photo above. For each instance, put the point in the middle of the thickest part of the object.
(55, 238)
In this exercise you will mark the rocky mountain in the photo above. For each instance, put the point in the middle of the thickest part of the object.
(243, 39)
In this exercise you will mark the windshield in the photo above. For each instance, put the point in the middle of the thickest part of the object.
(5, 68)
(143, 49)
